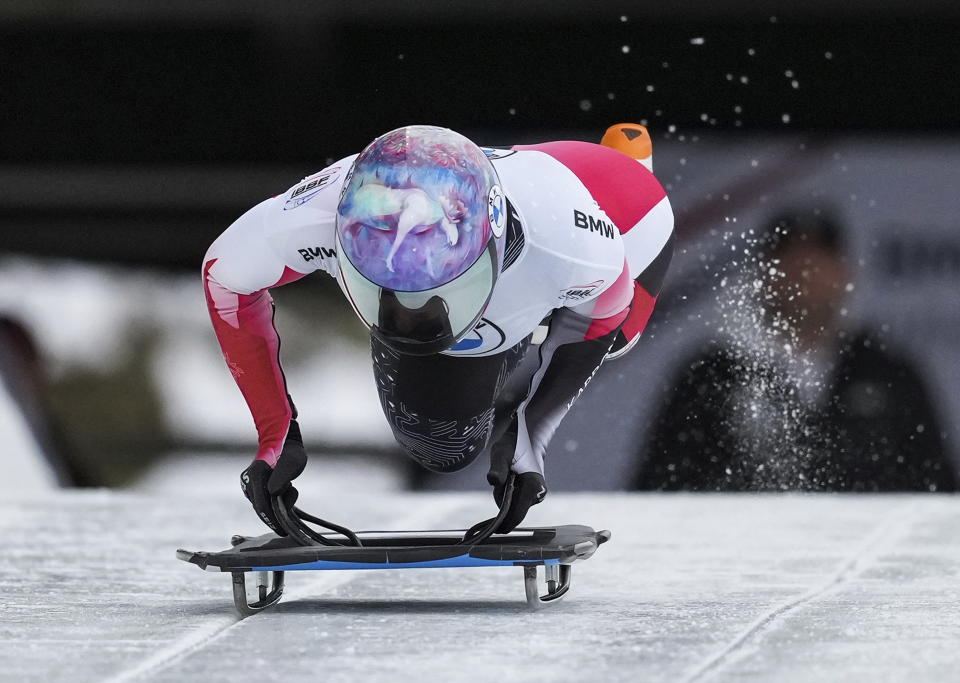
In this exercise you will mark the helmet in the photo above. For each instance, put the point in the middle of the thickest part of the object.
(419, 237)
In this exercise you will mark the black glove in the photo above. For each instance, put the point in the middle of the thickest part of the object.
(529, 488)
(260, 481)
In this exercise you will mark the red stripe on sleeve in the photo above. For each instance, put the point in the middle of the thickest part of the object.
(616, 297)
(623, 188)
(640, 311)
(602, 326)
(251, 347)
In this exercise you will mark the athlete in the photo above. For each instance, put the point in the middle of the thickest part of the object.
(461, 261)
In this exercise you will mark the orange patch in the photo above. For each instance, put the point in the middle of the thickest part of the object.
(630, 138)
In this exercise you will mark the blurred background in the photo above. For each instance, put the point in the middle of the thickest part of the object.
(807, 334)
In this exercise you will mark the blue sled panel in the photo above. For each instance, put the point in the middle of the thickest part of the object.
(458, 561)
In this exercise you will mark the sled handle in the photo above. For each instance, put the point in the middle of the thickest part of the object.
(481, 531)
(292, 521)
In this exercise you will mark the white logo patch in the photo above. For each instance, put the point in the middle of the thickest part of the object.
(497, 209)
(311, 186)
(580, 291)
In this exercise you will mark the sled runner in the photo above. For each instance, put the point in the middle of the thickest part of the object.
(269, 556)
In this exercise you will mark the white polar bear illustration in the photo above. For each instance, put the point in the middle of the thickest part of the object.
(416, 212)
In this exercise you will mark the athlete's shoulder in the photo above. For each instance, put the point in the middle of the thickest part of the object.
(318, 192)
(569, 244)
(624, 188)
(300, 223)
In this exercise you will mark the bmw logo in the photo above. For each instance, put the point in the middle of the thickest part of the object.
(497, 208)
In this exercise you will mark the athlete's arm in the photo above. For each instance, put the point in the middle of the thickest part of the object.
(238, 270)
(649, 252)
(582, 336)
(579, 339)
(278, 241)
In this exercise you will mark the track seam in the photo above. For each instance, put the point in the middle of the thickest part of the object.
(202, 636)
(899, 517)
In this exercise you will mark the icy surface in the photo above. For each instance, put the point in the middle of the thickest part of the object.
(708, 587)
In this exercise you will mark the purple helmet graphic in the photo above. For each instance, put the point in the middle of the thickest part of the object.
(419, 227)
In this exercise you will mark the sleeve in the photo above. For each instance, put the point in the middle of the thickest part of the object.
(238, 270)
(630, 301)
(580, 338)
(569, 357)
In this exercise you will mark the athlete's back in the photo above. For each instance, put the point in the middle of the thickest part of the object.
(583, 221)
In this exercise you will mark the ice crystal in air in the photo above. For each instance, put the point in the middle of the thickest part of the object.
(773, 393)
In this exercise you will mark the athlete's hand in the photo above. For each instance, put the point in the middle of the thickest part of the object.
(529, 488)
(260, 481)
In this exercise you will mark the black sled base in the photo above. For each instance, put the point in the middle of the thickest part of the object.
(269, 556)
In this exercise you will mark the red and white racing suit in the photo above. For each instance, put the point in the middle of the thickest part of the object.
(589, 239)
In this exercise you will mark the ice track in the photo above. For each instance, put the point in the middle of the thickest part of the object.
(691, 588)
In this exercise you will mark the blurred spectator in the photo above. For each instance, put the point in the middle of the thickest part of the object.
(786, 397)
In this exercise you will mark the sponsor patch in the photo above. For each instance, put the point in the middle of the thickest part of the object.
(586, 222)
(497, 208)
(311, 187)
(483, 338)
(311, 253)
(579, 292)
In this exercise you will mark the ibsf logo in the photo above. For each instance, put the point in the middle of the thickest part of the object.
(311, 188)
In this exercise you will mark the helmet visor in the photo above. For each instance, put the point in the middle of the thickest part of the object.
(430, 321)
